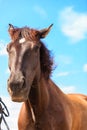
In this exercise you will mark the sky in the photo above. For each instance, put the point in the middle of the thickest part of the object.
(67, 41)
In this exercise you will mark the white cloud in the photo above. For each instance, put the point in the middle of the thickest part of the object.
(73, 24)
(85, 68)
(62, 74)
(14, 109)
(38, 9)
(68, 89)
(65, 59)
(2, 49)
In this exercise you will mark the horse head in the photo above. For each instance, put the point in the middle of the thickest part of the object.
(24, 60)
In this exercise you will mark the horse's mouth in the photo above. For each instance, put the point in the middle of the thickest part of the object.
(18, 96)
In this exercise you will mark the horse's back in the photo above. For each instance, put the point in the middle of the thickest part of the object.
(78, 107)
(78, 97)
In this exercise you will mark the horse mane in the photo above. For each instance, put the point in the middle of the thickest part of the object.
(25, 32)
(46, 60)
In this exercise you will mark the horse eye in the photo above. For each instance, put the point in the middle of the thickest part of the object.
(27, 52)
(7, 48)
(36, 48)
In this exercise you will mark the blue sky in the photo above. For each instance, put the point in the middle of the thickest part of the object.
(67, 39)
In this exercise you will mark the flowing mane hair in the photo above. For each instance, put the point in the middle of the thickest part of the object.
(46, 60)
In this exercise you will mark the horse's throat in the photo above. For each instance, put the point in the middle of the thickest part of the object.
(31, 111)
(38, 97)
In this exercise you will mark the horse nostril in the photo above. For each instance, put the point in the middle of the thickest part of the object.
(23, 82)
(8, 80)
(15, 86)
(23, 78)
(12, 86)
(16, 82)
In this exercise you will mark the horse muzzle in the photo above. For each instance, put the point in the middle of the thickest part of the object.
(17, 87)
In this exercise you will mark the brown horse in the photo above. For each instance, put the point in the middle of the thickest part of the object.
(45, 106)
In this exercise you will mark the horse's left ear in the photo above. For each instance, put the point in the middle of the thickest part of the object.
(44, 32)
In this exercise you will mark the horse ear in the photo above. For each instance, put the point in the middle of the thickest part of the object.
(11, 30)
(44, 32)
(11, 27)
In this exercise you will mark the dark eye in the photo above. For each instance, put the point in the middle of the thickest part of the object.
(27, 52)
(36, 48)
(7, 48)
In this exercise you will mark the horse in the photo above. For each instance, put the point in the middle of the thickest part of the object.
(45, 106)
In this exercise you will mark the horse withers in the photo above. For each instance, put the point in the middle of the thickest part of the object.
(45, 106)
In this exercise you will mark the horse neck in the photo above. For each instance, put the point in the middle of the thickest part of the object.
(39, 96)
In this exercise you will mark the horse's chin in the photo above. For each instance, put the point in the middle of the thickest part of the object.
(20, 95)
(19, 99)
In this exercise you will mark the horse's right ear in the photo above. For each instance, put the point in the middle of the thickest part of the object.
(11, 30)
(11, 27)
(14, 32)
